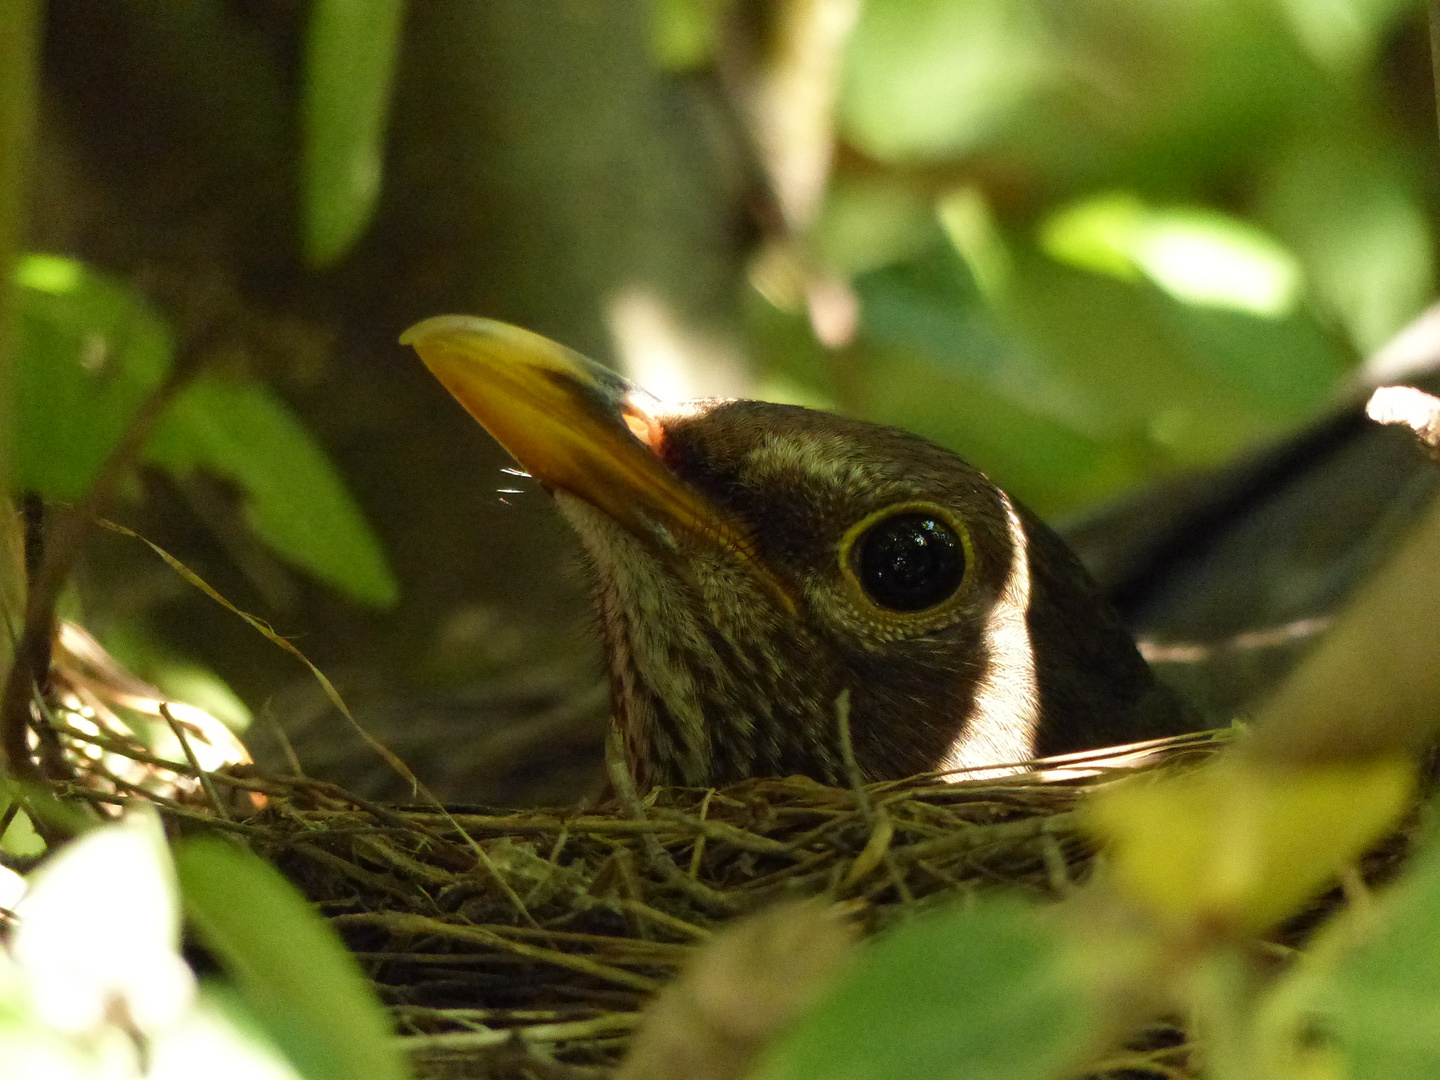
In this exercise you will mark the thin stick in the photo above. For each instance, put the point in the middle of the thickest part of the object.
(699, 851)
(400, 922)
(537, 1033)
(269, 633)
(291, 758)
(654, 851)
(505, 887)
(62, 550)
(194, 761)
(882, 828)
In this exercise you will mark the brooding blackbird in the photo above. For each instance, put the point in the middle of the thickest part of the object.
(753, 561)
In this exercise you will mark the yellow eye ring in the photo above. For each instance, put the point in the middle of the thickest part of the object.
(914, 571)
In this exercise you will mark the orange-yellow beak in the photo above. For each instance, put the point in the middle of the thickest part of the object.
(577, 427)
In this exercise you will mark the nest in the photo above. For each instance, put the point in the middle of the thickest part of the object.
(525, 943)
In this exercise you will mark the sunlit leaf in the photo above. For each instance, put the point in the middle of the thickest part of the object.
(1206, 259)
(932, 306)
(1181, 384)
(91, 350)
(867, 223)
(20, 837)
(294, 498)
(99, 929)
(929, 78)
(205, 690)
(1343, 35)
(31, 1052)
(968, 222)
(144, 656)
(221, 1040)
(293, 972)
(1180, 96)
(349, 67)
(1068, 385)
(993, 991)
(1197, 256)
(53, 274)
(1236, 847)
(684, 33)
(1358, 221)
(1099, 234)
(1049, 465)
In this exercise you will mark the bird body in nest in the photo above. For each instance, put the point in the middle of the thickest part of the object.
(754, 562)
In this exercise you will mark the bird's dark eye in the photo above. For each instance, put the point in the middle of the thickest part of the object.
(909, 562)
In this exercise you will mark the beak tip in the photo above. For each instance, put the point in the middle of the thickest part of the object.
(437, 326)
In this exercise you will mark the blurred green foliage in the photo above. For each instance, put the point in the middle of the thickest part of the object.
(293, 973)
(1374, 974)
(1002, 989)
(350, 59)
(294, 499)
(1090, 240)
(91, 350)
(1100, 240)
(993, 991)
(684, 34)
(89, 354)
(92, 983)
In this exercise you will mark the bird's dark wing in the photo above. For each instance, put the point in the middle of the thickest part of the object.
(1228, 575)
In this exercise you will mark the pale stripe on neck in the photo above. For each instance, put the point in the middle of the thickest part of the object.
(1005, 713)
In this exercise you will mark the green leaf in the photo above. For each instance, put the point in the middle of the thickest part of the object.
(1068, 385)
(684, 33)
(1187, 385)
(294, 973)
(1357, 217)
(20, 837)
(295, 499)
(349, 68)
(1386, 995)
(91, 350)
(220, 1033)
(1198, 256)
(932, 303)
(201, 687)
(1234, 847)
(866, 223)
(992, 991)
(927, 78)
(41, 804)
(1344, 35)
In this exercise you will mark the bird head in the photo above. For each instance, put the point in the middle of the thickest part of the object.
(753, 562)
